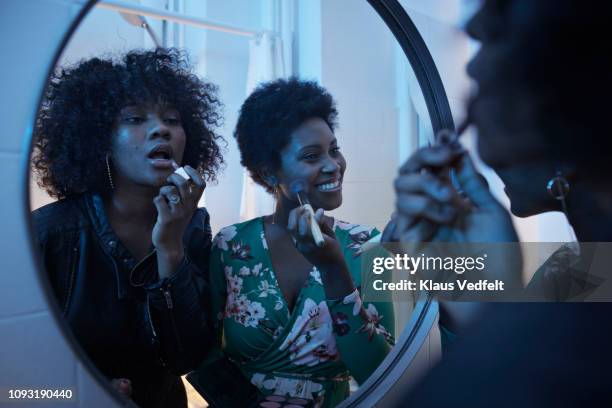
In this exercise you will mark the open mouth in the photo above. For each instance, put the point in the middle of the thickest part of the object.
(161, 156)
(330, 186)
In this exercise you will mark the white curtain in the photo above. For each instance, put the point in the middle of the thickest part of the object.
(265, 64)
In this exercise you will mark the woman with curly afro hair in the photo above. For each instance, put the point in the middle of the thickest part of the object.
(125, 246)
(288, 308)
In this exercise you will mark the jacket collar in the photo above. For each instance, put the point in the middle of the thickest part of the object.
(131, 274)
(111, 245)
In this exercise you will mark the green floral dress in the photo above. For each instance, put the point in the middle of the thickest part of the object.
(312, 351)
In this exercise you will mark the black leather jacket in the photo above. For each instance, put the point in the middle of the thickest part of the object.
(129, 324)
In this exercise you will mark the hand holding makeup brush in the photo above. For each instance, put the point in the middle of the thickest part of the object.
(298, 187)
(310, 230)
(328, 258)
(314, 237)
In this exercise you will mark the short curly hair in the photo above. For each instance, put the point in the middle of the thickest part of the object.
(81, 104)
(269, 116)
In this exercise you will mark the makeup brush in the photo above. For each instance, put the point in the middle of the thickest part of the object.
(298, 187)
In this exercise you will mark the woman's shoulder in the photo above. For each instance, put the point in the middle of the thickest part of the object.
(61, 215)
(241, 231)
(553, 280)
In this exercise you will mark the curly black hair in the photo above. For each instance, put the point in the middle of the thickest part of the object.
(81, 104)
(270, 114)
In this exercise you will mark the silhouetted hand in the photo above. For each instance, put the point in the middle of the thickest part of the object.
(429, 208)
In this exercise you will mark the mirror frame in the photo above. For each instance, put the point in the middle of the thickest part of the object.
(379, 388)
(421, 61)
(391, 380)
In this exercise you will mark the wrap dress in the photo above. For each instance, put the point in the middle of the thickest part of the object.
(310, 352)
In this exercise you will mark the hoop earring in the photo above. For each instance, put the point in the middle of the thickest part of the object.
(108, 172)
(558, 187)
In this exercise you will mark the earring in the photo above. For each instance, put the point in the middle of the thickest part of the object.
(108, 172)
(558, 187)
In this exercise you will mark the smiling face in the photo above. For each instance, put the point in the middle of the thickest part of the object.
(146, 141)
(313, 156)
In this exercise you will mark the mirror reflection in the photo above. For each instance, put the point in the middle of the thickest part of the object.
(201, 206)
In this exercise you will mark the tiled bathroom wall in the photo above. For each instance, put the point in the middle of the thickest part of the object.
(33, 352)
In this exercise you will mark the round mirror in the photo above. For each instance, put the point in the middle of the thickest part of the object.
(389, 99)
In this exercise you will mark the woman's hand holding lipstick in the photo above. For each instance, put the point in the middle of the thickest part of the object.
(430, 208)
(426, 198)
(176, 204)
